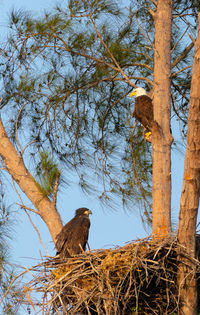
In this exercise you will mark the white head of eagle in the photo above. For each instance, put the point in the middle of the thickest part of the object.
(138, 92)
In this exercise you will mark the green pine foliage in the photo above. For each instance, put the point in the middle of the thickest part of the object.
(10, 293)
(47, 173)
(63, 85)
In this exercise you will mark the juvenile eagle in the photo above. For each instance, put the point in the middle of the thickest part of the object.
(143, 110)
(73, 237)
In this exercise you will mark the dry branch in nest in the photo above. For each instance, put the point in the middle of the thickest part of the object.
(138, 278)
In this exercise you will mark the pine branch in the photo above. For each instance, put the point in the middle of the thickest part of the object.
(111, 55)
(182, 56)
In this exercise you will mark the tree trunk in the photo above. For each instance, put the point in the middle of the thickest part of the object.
(189, 202)
(161, 136)
(15, 166)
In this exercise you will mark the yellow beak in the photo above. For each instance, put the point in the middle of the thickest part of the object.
(88, 212)
(132, 93)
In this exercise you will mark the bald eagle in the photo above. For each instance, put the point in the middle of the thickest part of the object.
(73, 237)
(143, 110)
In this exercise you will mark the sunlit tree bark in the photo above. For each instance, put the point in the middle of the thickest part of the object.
(190, 194)
(161, 136)
(15, 166)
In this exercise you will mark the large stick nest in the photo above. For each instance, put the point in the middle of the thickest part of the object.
(138, 278)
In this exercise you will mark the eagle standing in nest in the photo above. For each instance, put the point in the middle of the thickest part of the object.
(143, 111)
(73, 237)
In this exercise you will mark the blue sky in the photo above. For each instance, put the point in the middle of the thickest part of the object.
(108, 228)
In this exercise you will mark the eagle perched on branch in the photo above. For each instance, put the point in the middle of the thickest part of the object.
(73, 237)
(143, 110)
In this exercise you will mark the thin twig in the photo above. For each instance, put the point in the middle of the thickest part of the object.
(37, 231)
(111, 55)
(27, 208)
(16, 126)
(182, 55)
(111, 281)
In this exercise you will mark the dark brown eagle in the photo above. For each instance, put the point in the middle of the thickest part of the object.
(73, 237)
(143, 110)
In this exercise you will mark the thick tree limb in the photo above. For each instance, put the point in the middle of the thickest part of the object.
(15, 166)
(190, 195)
(161, 136)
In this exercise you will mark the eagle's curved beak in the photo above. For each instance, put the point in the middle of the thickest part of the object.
(88, 212)
(132, 94)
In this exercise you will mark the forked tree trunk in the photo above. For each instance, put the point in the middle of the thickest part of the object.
(161, 136)
(190, 194)
(15, 166)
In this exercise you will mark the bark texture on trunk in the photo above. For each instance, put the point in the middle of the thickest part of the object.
(15, 166)
(161, 136)
(189, 202)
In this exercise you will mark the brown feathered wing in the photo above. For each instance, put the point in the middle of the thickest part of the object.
(143, 111)
(73, 237)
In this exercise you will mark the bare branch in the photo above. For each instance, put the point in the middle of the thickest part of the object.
(192, 38)
(83, 55)
(154, 2)
(175, 73)
(179, 40)
(145, 36)
(27, 146)
(143, 65)
(111, 55)
(183, 55)
(152, 12)
(20, 174)
(27, 208)
(32, 210)
(179, 90)
(176, 111)
(38, 234)
(16, 127)
(144, 79)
